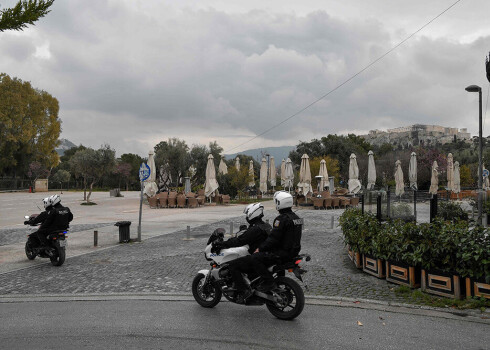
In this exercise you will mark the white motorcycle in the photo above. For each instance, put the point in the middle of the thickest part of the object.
(286, 301)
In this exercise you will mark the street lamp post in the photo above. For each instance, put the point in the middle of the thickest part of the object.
(267, 177)
(476, 88)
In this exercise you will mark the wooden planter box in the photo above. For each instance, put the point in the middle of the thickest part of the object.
(373, 266)
(355, 257)
(448, 285)
(403, 274)
(477, 288)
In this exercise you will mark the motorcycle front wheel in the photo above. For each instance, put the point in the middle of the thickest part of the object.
(59, 257)
(29, 253)
(291, 299)
(208, 295)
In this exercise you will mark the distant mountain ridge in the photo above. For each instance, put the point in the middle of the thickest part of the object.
(279, 153)
(64, 146)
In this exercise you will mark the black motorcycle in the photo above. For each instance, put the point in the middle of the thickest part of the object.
(57, 245)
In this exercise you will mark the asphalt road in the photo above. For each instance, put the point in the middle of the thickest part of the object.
(145, 324)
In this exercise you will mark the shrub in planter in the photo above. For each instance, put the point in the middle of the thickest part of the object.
(451, 211)
(358, 229)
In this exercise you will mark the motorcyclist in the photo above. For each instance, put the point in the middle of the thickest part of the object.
(254, 235)
(54, 217)
(283, 244)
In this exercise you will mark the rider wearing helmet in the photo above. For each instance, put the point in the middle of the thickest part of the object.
(54, 217)
(284, 242)
(254, 235)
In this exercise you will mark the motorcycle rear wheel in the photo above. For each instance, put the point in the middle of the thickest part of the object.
(59, 257)
(292, 296)
(206, 296)
(29, 252)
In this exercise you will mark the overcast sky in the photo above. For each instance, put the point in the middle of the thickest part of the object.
(133, 73)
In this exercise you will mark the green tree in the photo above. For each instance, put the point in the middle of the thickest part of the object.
(92, 165)
(134, 160)
(465, 176)
(29, 126)
(175, 152)
(61, 176)
(23, 13)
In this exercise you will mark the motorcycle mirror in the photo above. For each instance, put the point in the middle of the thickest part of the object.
(26, 217)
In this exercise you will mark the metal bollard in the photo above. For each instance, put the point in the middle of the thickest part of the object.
(332, 221)
(188, 234)
(96, 238)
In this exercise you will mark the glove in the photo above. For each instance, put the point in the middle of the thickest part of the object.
(26, 222)
(216, 246)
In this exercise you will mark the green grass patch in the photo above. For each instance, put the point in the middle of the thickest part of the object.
(88, 203)
(416, 296)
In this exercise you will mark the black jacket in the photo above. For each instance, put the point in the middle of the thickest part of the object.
(255, 234)
(53, 218)
(285, 238)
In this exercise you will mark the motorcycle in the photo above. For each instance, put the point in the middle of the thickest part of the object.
(57, 241)
(286, 301)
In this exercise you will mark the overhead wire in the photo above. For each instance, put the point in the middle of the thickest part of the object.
(347, 80)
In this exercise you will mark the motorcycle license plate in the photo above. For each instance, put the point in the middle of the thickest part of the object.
(63, 243)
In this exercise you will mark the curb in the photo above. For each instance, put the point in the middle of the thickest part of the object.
(366, 304)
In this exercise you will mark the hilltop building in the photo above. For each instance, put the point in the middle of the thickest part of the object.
(417, 135)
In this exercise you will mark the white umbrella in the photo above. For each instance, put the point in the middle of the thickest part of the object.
(263, 176)
(237, 163)
(289, 174)
(304, 184)
(400, 186)
(151, 187)
(354, 184)
(272, 172)
(450, 172)
(283, 173)
(251, 174)
(434, 180)
(412, 171)
(457, 179)
(324, 174)
(222, 169)
(211, 184)
(371, 171)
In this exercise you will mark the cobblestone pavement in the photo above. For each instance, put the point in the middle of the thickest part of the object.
(16, 235)
(168, 263)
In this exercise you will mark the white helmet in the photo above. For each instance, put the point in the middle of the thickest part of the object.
(283, 200)
(51, 200)
(253, 211)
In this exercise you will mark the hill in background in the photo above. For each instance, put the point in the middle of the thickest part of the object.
(279, 153)
(64, 146)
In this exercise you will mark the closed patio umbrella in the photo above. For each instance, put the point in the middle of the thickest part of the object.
(211, 185)
(354, 184)
(263, 176)
(251, 174)
(272, 172)
(486, 181)
(222, 169)
(412, 171)
(151, 187)
(324, 174)
(304, 184)
(457, 179)
(289, 174)
(371, 171)
(434, 180)
(237, 163)
(450, 172)
(283, 173)
(400, 186)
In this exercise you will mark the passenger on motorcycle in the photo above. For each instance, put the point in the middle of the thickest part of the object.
(54, 217)
(283, 244)
(255, 235)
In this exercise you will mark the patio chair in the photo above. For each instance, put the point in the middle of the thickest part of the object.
(344, 202)
(181, 200)
(225, 199)
(335, 202)
(172, 199)
(162, 199)
(200, 197)
(354, 201)
(153, 202)
(327, 203)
